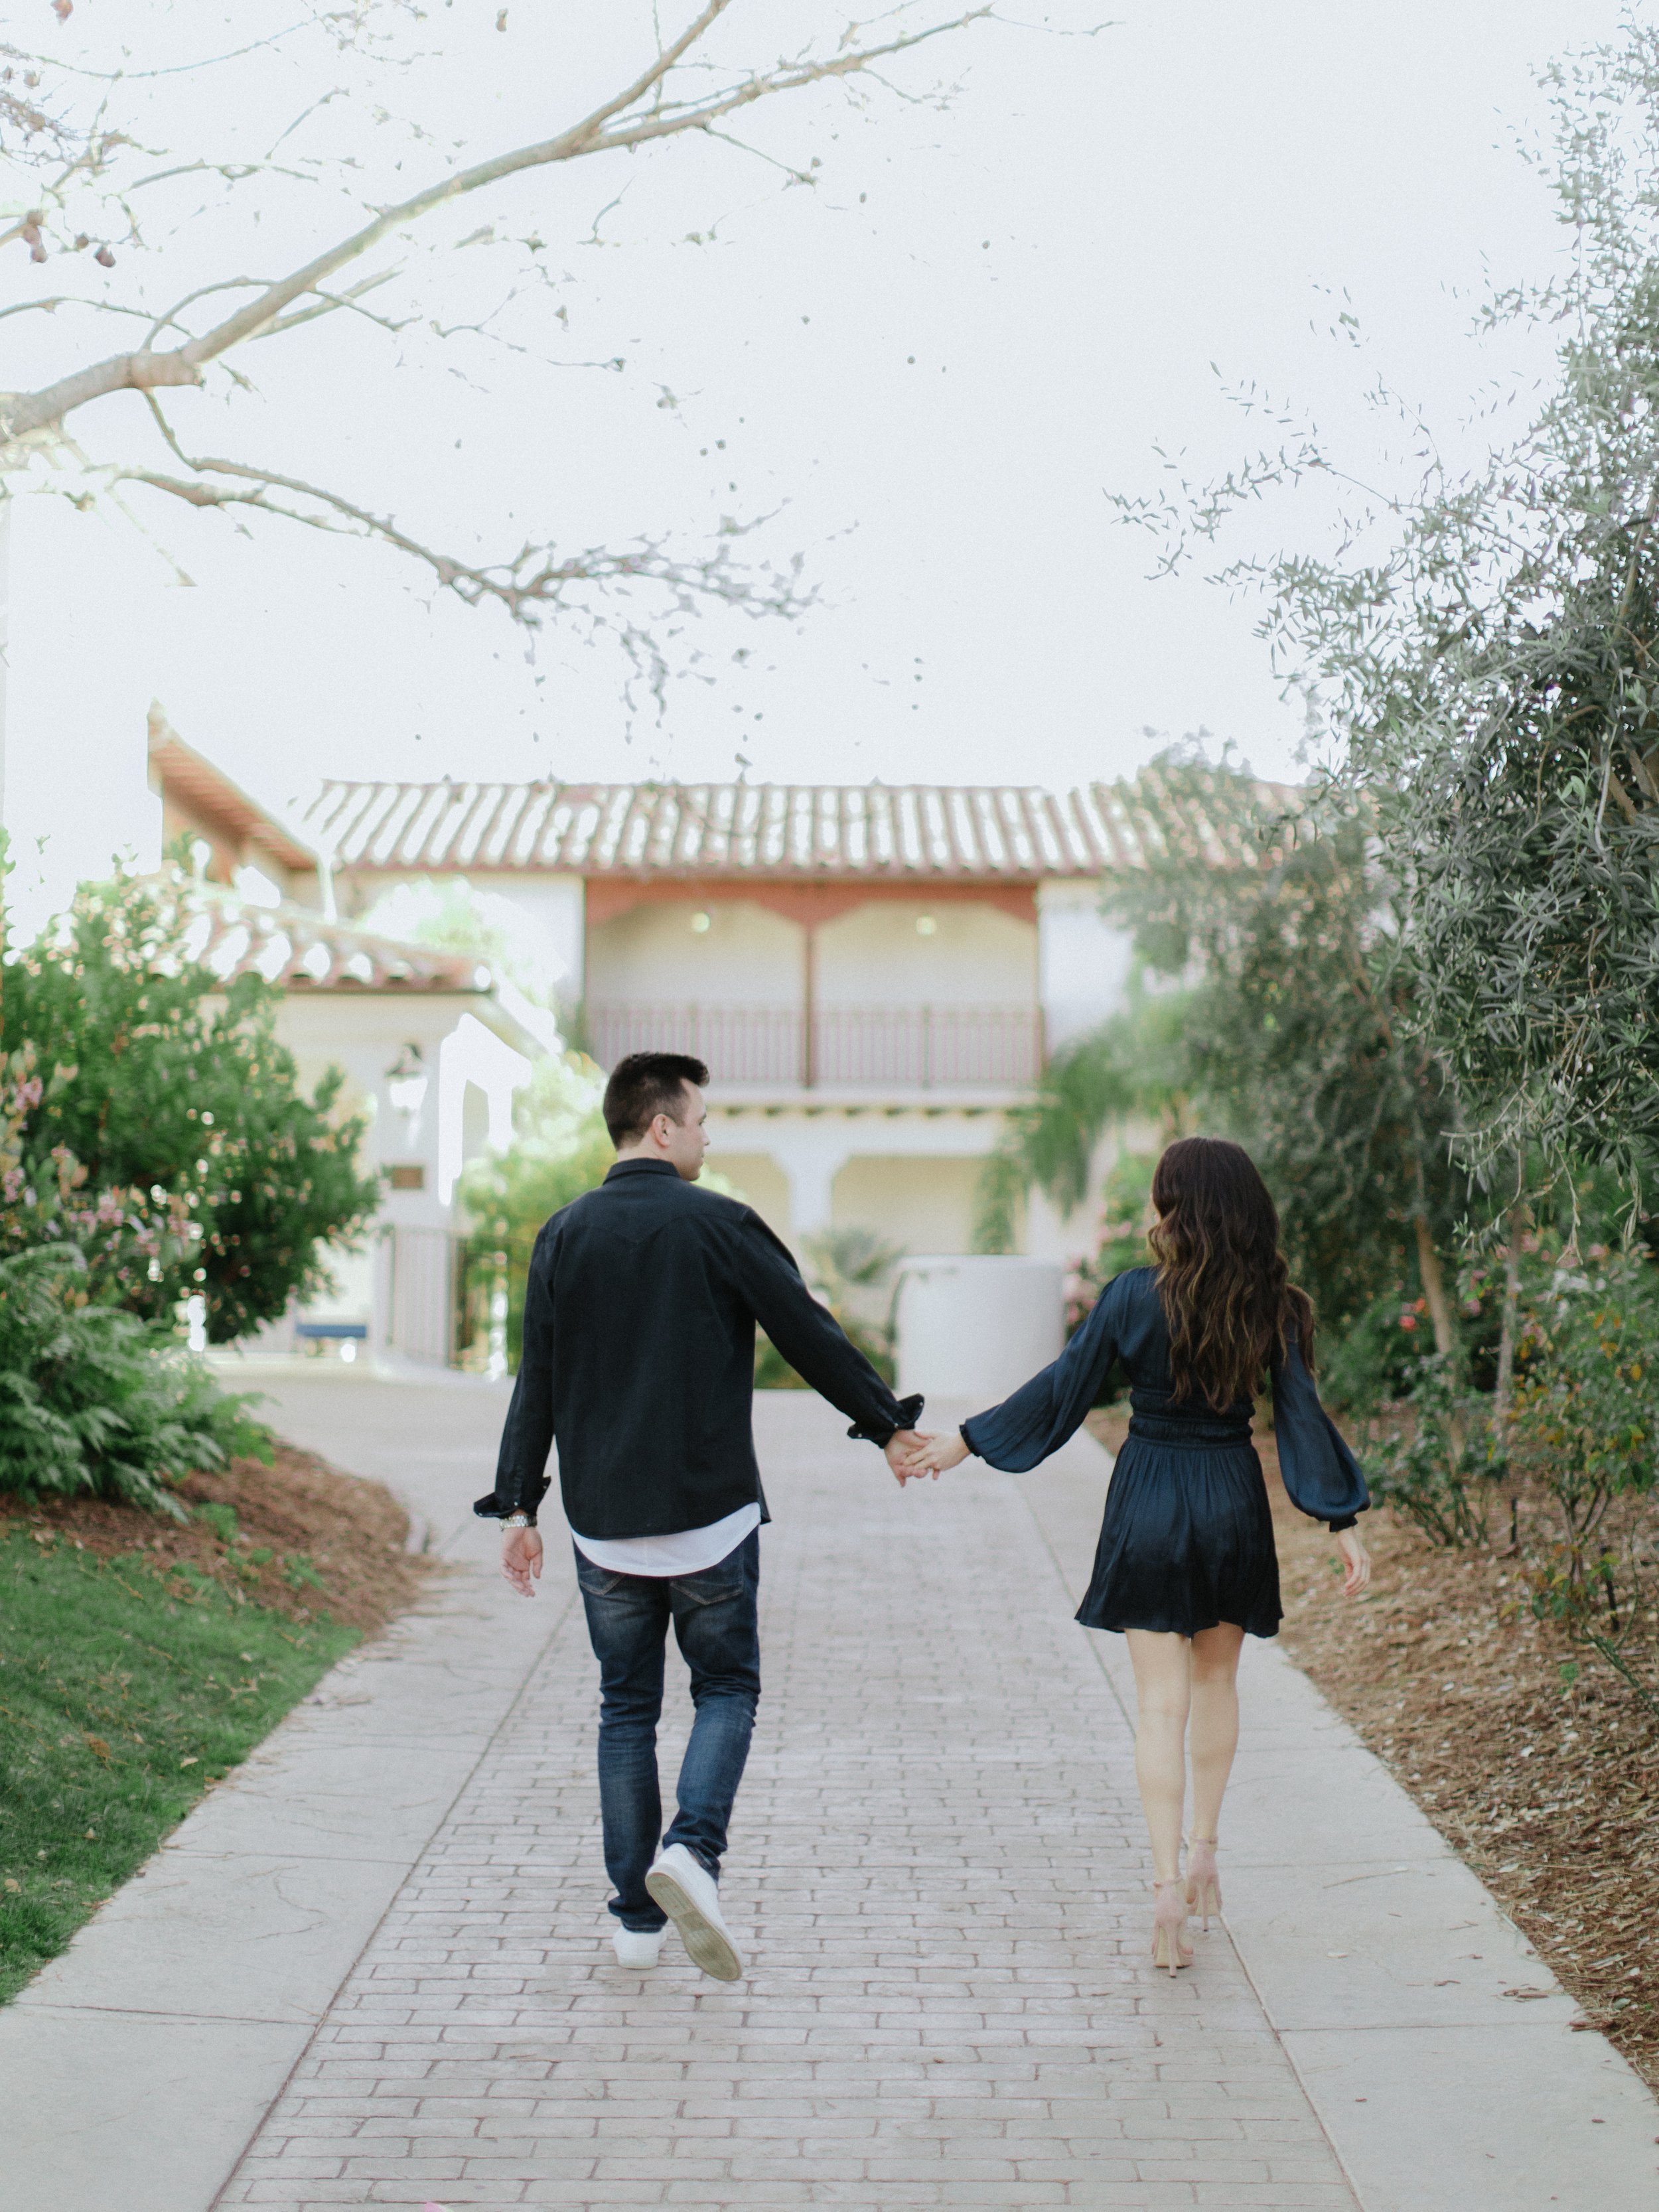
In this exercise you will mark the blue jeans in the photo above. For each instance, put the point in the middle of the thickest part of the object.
(714, 1618)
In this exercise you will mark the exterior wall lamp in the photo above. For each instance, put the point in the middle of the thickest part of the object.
(406, 1082)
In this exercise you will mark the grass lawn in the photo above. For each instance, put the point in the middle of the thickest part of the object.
(125, 1693)
(142, 1658)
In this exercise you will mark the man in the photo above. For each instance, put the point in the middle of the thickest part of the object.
(639, 1354)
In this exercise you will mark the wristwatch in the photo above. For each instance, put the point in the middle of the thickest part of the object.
(519, 1520)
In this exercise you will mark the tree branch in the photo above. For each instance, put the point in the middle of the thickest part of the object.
(604, 131)
(327, 303)
(72, 300)
(535, 577)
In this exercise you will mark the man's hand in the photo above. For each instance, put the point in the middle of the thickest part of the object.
(898, 1449)
(521, 1559)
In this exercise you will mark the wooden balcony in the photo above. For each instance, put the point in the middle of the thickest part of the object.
(899, 1048)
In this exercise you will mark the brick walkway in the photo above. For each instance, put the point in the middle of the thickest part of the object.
(938, 1868)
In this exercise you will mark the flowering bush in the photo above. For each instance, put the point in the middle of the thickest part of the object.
(1380, 1359)
(149, 1118)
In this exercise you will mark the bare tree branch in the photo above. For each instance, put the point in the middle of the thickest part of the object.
(536, 577)
(327, 303)
(609, 127)
(72, 300)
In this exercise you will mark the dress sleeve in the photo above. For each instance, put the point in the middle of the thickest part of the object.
(1322, 1476)
(1044, 1411)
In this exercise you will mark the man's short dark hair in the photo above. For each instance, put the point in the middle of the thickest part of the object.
(645, 1084)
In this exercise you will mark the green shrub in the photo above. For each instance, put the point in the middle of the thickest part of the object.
(1585, 1425)
(94, 1399)
(560, 1149)
(1380, 1357)
(1442, 1469)
(149, 1116)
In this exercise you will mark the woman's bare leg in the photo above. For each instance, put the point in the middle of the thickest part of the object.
(1215, 1720)
(1162, 1665)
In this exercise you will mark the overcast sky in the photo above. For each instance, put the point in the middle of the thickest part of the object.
(929, 370)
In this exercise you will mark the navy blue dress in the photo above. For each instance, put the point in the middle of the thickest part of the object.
(1187, 1538)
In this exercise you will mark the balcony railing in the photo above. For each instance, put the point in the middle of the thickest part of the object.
(852, 1047)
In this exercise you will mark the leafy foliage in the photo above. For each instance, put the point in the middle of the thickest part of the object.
(1294, 1033)
(1586, 1423)
(560, 1149)
(149, 1116)
(1442, 1468)
(856, 1275)
(94, 1399)
(1485, 653)
(1135, 1067)
(452, 915)
(1299, 1037)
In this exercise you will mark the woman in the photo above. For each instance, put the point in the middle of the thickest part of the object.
(1185, 1564)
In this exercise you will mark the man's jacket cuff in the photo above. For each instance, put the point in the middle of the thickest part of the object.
(909, 1412)
(497, 1509)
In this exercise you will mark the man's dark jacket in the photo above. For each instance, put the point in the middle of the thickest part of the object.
(638, 1356)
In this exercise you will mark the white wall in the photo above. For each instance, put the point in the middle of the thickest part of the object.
(972, 956)
(813, 1145)
(404, 1305)
(555, 908)
(1083, 960)
(921, 1204)
(654, 956)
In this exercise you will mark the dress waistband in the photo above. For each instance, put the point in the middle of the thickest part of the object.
(1191, 1434)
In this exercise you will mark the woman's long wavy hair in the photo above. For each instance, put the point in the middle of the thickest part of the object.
(1226, 1292)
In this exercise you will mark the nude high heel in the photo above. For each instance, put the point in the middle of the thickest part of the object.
(1169, 1926)
(1203, 1889)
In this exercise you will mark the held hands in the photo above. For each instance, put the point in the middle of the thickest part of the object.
(1356, 1559)
(521, 1559)
(898, 1449)
(912, 1454)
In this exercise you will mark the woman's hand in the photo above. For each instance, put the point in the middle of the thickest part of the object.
(936, 1454)
(1356, 1558)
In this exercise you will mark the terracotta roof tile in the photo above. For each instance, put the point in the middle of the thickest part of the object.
(297, 949)
(913, 832)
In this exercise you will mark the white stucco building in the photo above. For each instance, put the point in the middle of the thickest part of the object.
(874, 974)
(430, 1052)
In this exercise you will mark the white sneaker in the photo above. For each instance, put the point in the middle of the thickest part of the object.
(691, 1898)
(637, 1947)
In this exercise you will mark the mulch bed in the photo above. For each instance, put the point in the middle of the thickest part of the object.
(1533, 1759)
(306, 1540)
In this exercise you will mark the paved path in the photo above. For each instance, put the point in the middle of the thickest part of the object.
(938, 1868)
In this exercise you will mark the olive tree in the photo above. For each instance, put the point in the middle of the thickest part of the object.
(1484, 647)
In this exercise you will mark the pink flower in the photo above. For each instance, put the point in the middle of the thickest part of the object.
(1409, 1320)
